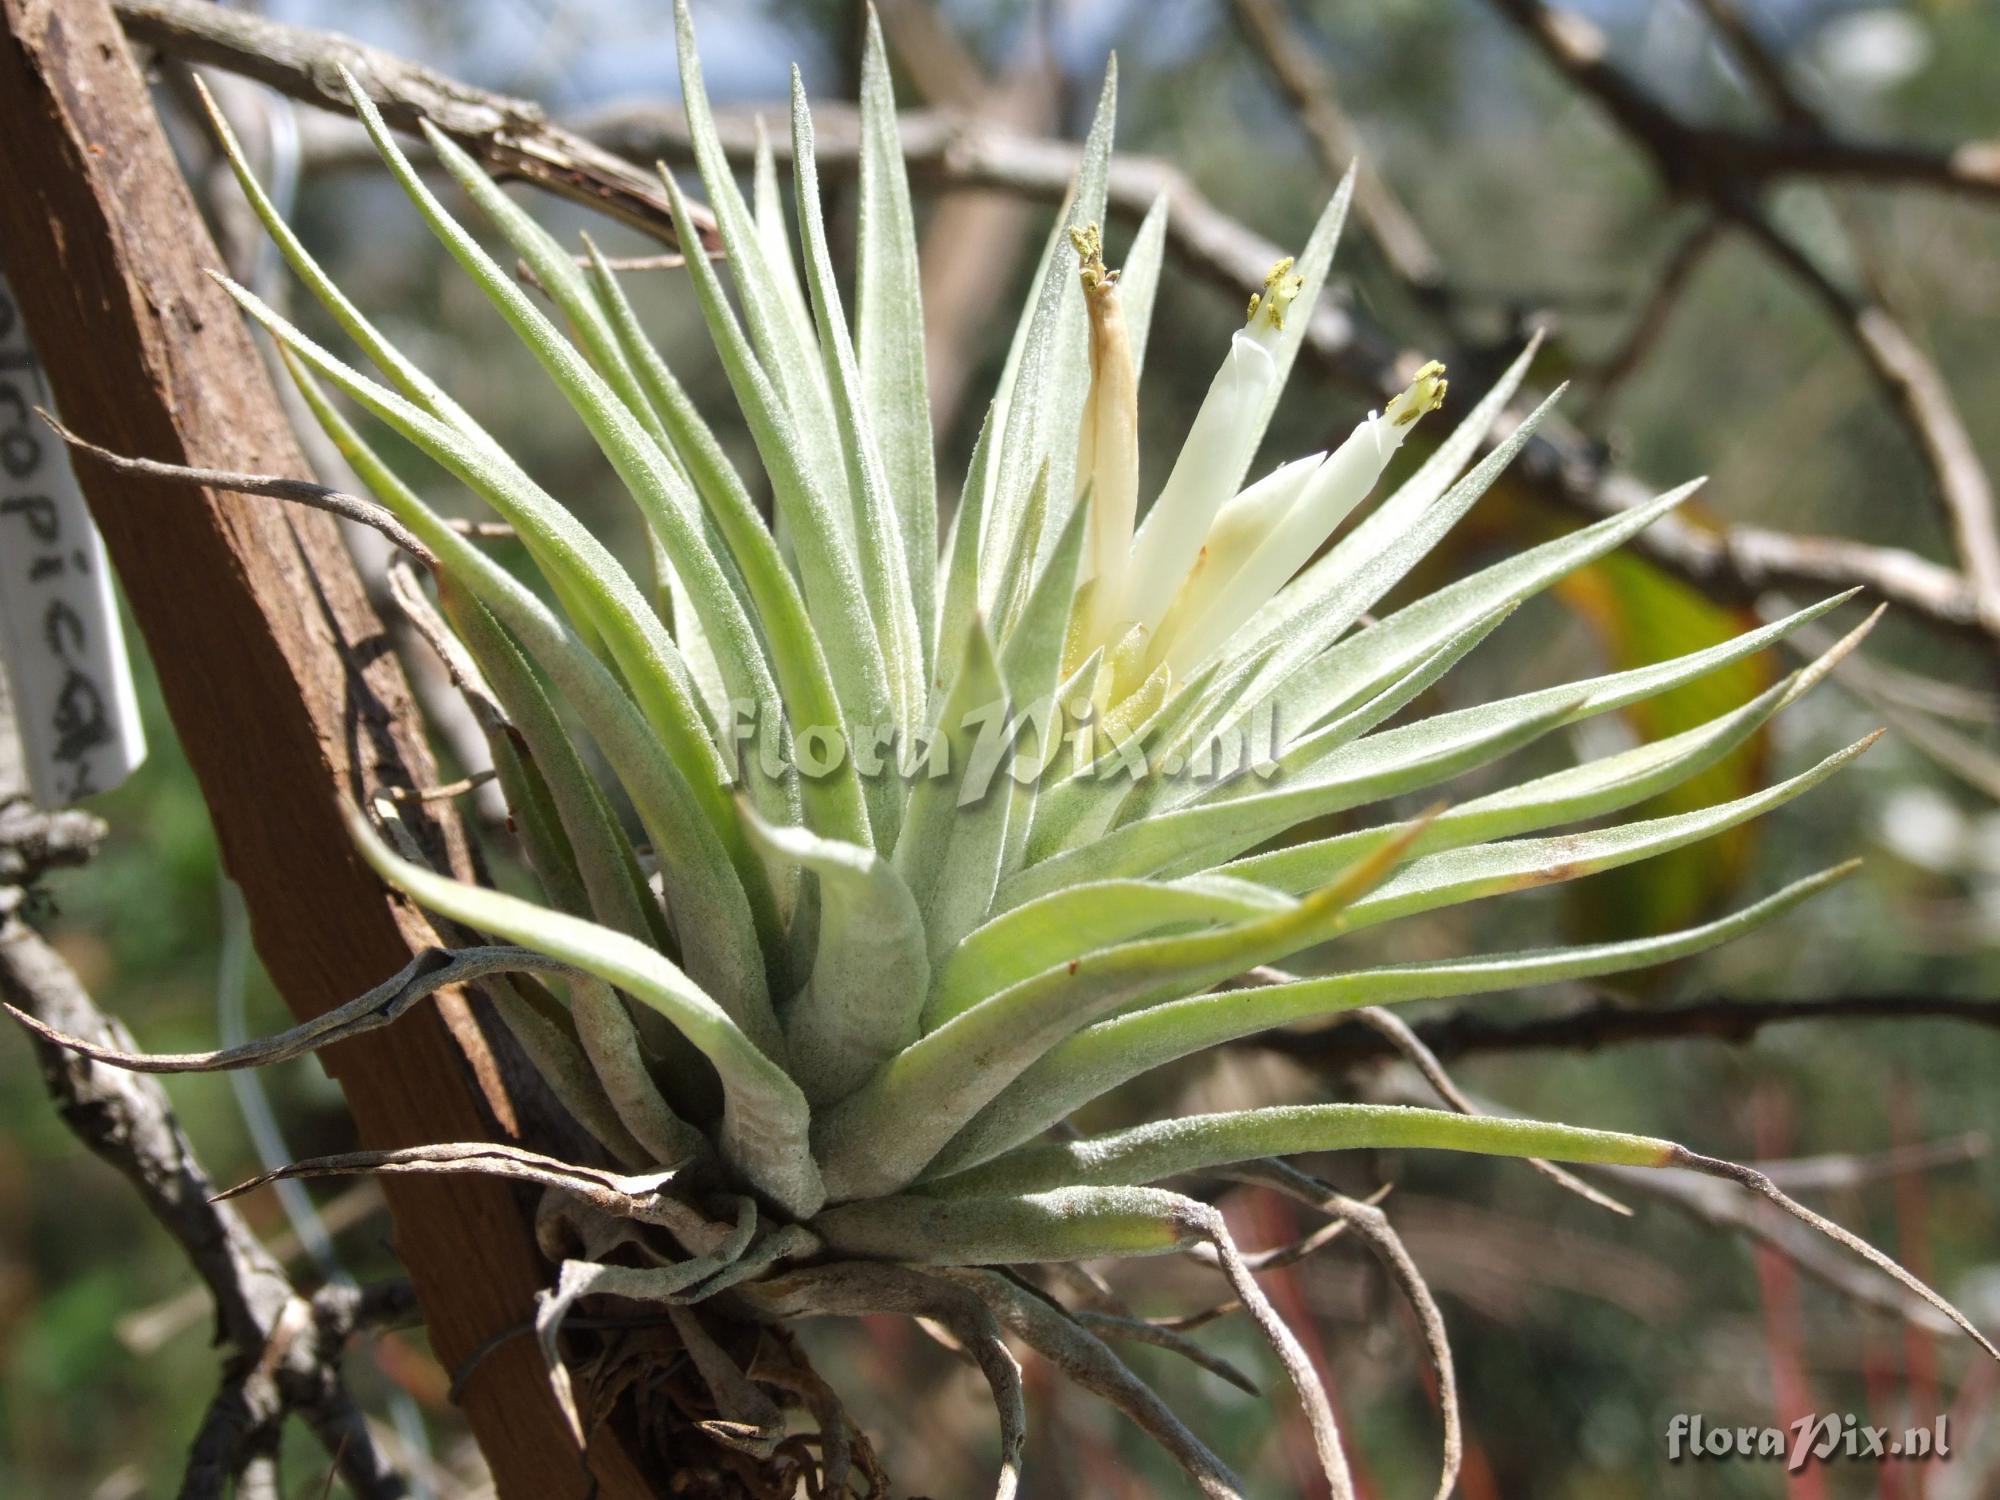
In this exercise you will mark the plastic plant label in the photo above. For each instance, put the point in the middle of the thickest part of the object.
(60, 637)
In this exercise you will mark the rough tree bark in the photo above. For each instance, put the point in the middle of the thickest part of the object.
(273, 665)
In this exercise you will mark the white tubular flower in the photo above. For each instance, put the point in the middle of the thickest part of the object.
(1214, 456)
(1107, 465)
(1248, 559)
(1239, 530)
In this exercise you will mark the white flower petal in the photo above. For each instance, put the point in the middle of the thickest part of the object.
(1202, 478)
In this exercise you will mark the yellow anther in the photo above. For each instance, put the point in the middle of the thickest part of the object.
(1088, 240)
(1425, 393)
(1280, 287)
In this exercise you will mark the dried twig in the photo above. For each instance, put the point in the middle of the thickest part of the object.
(270, 487)
(1762, 67)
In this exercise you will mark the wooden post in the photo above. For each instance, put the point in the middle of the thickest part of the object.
(274, 666)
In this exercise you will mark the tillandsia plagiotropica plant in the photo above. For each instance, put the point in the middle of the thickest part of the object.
(943, 840)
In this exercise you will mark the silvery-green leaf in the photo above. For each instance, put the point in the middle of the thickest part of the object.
(885, 566)
(1384, 765)
(1102, 1056)
(1019, 572)
(784, 350)
(958, 593)
(1194, 1143)
(596, 846)
(684, 624)
(1045, 933)
(647, 656)
(765, 1117)
(1483, 870)
(1337, 678)
(833, 803)
(543, 1031)
(1302, 755)
(1587, 699)
(1607, 784)
(1083, 1224)
(956, 824)
(1305, 753)
(656, 476)
(1030, 669)
(774, 236)
(1075, 698)
(403, 372)
(889, 327)
(556, 270)
(718, 934)
(1043, 398)
(870, 970)
(820, 535)
(881, 1137)
(613, 895)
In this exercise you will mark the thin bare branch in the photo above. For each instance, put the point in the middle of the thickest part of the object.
(1838, 1170)
(1607, 1023)
(1664, 295)
(513, 137)
(1762, 67)
(269, 486)
(1308, 87)
(1708, 165)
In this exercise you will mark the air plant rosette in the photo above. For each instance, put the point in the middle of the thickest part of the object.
(938, 842)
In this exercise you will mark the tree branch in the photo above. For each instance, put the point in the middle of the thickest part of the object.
(1607, 1023)
(1650, 322)
(1719, 169)
(1307, 85)
(513, 137)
